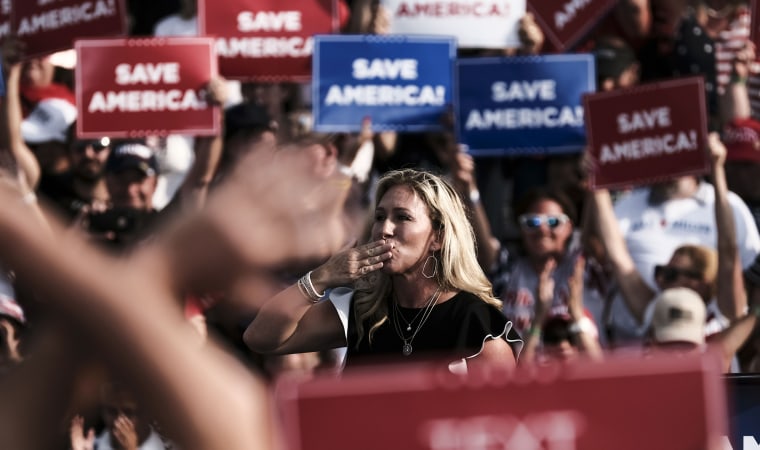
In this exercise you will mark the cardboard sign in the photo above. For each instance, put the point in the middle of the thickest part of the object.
(566, 22)
(266, 40)
(140, 87)
(402, 83)
(649, 133)
(662, 402)
(47, 26)
(515, 106)
(475, 23)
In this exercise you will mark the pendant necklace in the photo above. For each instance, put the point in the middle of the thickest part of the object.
(407, 349)
(397, 310)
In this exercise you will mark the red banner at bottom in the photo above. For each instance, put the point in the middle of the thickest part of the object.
(674, 403)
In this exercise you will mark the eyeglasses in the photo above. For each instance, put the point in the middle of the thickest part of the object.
(533, 221)
(670, 274)
(98, 145)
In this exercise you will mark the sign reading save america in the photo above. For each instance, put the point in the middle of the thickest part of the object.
(513, 106)
(648, 133)
(565, 22)
(266, 40)
(47, 26)
(139, 87)
(475, 23)
(402, 83)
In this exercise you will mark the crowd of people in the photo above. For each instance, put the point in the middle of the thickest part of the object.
(167, 281)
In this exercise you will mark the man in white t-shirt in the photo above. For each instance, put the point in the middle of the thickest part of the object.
(658, 219)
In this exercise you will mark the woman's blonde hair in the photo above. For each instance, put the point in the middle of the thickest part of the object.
(705, 261)
(458, 268)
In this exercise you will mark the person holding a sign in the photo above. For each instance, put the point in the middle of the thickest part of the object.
(417, 290)
(716, 277)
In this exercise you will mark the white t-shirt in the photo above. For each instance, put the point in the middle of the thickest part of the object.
(154, 442)
(653, 232)
(176, 25)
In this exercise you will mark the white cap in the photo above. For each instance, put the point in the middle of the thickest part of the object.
(679, 316)
(49, 121)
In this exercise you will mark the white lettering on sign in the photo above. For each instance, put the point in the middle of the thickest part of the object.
(5, 29)
(568, 12)
(248, 21)
(385, 69)
(5, 7)
(512, 118)
(556, 430)
(147, 73)
(66, 16)
(649, 147)
(142, 101)
(373, 95)
(748, 443)
(452, 8)
(524, 90)
(264, 47)
(644, 120)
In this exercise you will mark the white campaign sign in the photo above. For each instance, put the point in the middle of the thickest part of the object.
(475, 23)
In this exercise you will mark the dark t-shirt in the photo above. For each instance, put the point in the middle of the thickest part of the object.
(58, 190)
(455, 329)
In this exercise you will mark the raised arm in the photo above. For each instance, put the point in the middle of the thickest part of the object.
(204, 398)
(463, 177)
(587, 343)
(731, 295)
(12, 118)
(208, 152)
(296, 321)
(636, 292)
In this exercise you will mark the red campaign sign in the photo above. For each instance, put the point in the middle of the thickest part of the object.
(623, 404)
(48, 26)
(648, 133)
(140, 87)
(565, 22)
(266, 40)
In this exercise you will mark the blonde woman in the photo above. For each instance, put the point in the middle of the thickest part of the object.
(415, 292)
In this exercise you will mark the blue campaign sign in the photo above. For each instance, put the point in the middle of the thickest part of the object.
(402, 83)
(523, 105)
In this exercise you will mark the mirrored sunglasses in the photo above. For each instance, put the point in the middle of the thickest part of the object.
(533, 221)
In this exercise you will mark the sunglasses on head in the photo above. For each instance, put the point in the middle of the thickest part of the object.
(533, 221)
(670, 274)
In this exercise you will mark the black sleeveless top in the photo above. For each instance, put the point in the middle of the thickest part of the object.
(455, 329)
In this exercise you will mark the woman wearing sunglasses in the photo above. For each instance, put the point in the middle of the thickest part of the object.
(715, 276)
(549, 249)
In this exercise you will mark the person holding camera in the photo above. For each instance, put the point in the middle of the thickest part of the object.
(131, 176)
